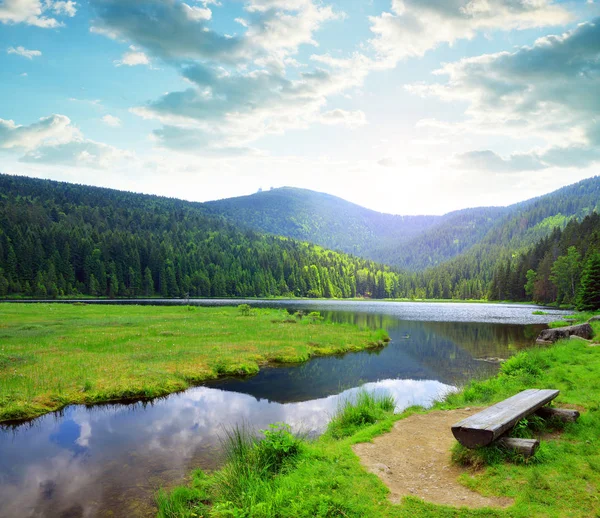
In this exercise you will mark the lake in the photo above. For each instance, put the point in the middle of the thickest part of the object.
(109, 460)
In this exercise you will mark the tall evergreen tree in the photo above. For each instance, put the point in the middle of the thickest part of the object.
(589, 294)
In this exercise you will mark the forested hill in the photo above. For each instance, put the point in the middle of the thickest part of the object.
(563, 267)
(321, 218)
(472, 274)
(64, 239)
(409, 242)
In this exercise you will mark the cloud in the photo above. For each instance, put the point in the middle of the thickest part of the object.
(77, 153)
(175, 31)
(133, 57)
(199, 142)
(67, 8)
(489, 161)
(33, 12)
(22, 51)
(195, 13)
(387, 162)
(164, 28)
(343, 117)
(55, 129)
(415, 26)
(111, 120)
(546, 91)
(54, 140)
(240, 86)
(240, 107)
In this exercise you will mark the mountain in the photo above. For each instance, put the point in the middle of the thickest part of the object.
(409, 242)
(412, 243)
(63, 239)
(320, 218)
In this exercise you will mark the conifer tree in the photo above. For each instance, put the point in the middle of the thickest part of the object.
(589, 293)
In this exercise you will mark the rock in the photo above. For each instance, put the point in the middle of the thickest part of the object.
(491, 359)
(595, 318)
(549, 336)
(382, 467)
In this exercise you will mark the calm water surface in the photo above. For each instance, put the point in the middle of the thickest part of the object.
(109, 460)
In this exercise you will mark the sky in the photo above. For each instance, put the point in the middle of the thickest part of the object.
(401, 106)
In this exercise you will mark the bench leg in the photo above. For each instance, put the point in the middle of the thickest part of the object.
(525, 447)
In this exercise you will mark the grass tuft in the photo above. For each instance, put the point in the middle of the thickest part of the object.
(352, 414)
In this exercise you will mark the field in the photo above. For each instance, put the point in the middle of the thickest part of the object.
(52, 355)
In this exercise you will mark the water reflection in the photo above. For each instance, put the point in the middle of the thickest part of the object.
(452, 353)
(106, 461)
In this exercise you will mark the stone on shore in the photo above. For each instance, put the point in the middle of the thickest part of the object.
(549, 336)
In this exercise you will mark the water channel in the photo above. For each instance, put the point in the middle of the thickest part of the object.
(109, 460)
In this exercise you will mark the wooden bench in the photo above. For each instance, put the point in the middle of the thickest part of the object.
(488, 425)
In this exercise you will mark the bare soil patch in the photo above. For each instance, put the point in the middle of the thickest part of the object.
(414, 459)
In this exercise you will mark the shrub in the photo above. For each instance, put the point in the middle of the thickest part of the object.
(244, 309)
(315, 317)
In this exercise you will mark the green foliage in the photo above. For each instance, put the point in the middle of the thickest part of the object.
(589, 294)
(352, 414)
(565, 275)
(244, 309)
(314, 317)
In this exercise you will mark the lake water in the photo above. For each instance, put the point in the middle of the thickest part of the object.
(109, 460)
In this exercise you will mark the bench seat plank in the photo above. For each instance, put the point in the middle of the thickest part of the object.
(486, 426)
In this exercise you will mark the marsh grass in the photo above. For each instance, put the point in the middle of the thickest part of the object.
(55, 354)
(352, 414)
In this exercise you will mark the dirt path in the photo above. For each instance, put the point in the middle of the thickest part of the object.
(414, 459)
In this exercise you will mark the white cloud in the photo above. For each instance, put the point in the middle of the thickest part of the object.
(54, 140)
(387, 162)
(68, 8)
(197, 13)
(56, 129)
(33, 12)
(234, 109)
(111, 120)
(546, 91)
(22, 51)
(133, 57)
(176, 31)
(415, 26)
(348, 118)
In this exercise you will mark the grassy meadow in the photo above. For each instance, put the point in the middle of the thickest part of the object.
(52, 355)
(323, 478)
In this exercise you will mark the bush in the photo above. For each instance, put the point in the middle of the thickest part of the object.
(315, 317)
(244, 309)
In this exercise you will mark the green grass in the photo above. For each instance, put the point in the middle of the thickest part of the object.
(52, 355)
(327, 480)
(352, 414)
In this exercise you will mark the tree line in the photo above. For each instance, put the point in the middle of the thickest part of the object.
(561, 268)
(59, 239)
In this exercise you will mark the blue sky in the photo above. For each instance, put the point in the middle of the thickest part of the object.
(403, 106)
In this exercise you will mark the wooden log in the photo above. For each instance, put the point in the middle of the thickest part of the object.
(525, 447)
(486, 426)
(563, 414)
